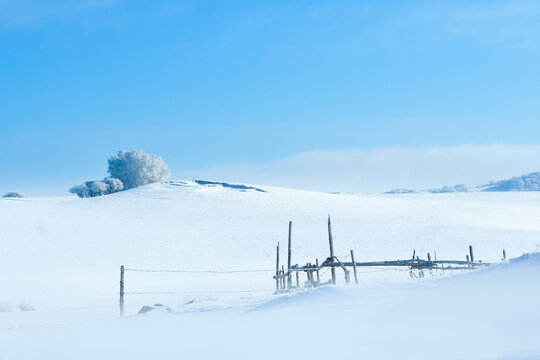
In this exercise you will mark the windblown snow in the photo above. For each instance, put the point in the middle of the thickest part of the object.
(60, 256)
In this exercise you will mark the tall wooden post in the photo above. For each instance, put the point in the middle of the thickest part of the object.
(354, 267)
(318, 275)
(289, 278)
(277, 267)
(121, 302)
(471, 253)
(413, 254)
(331, 243)
(297, 279)
(504, 255)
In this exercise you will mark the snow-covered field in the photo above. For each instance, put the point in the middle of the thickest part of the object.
(61, 256)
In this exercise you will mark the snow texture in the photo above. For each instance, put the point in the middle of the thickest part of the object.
(61, 257)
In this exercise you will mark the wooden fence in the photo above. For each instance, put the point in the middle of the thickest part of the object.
(284, 277)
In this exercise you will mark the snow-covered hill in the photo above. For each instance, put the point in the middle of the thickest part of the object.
(61, 255)
(66, 250)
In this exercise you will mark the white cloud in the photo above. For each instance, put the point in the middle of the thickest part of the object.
(382, 169)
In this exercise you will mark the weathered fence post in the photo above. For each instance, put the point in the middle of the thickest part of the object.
(289, 277)
(318, 276)
(354, 267)
(283, 278)
(413, 254)
(121, 302)
(277, 267)
(297, 279)
(331, 243)
(429, 256)
(471, 253)
(504, 255)
(467, 256)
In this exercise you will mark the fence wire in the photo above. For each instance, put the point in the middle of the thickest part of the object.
(200, 271)
(195, 292)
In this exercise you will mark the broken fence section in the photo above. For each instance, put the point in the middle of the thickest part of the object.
(284, 277)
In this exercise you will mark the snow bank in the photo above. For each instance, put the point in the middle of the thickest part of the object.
(486, 314)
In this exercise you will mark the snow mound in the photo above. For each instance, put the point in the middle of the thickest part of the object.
(527, 259)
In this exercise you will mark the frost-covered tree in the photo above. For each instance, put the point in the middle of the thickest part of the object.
(128, 169)
(13, 194)
(136, 168)
(114, 184)
(97, 188)
(529, 182)
(81, 191)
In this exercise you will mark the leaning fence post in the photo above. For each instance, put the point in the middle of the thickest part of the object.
(354, 267)
(289, 277)
(121, 302)
(471, 253)
(331, 243)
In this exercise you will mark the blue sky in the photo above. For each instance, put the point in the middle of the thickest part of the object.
(222, 84)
